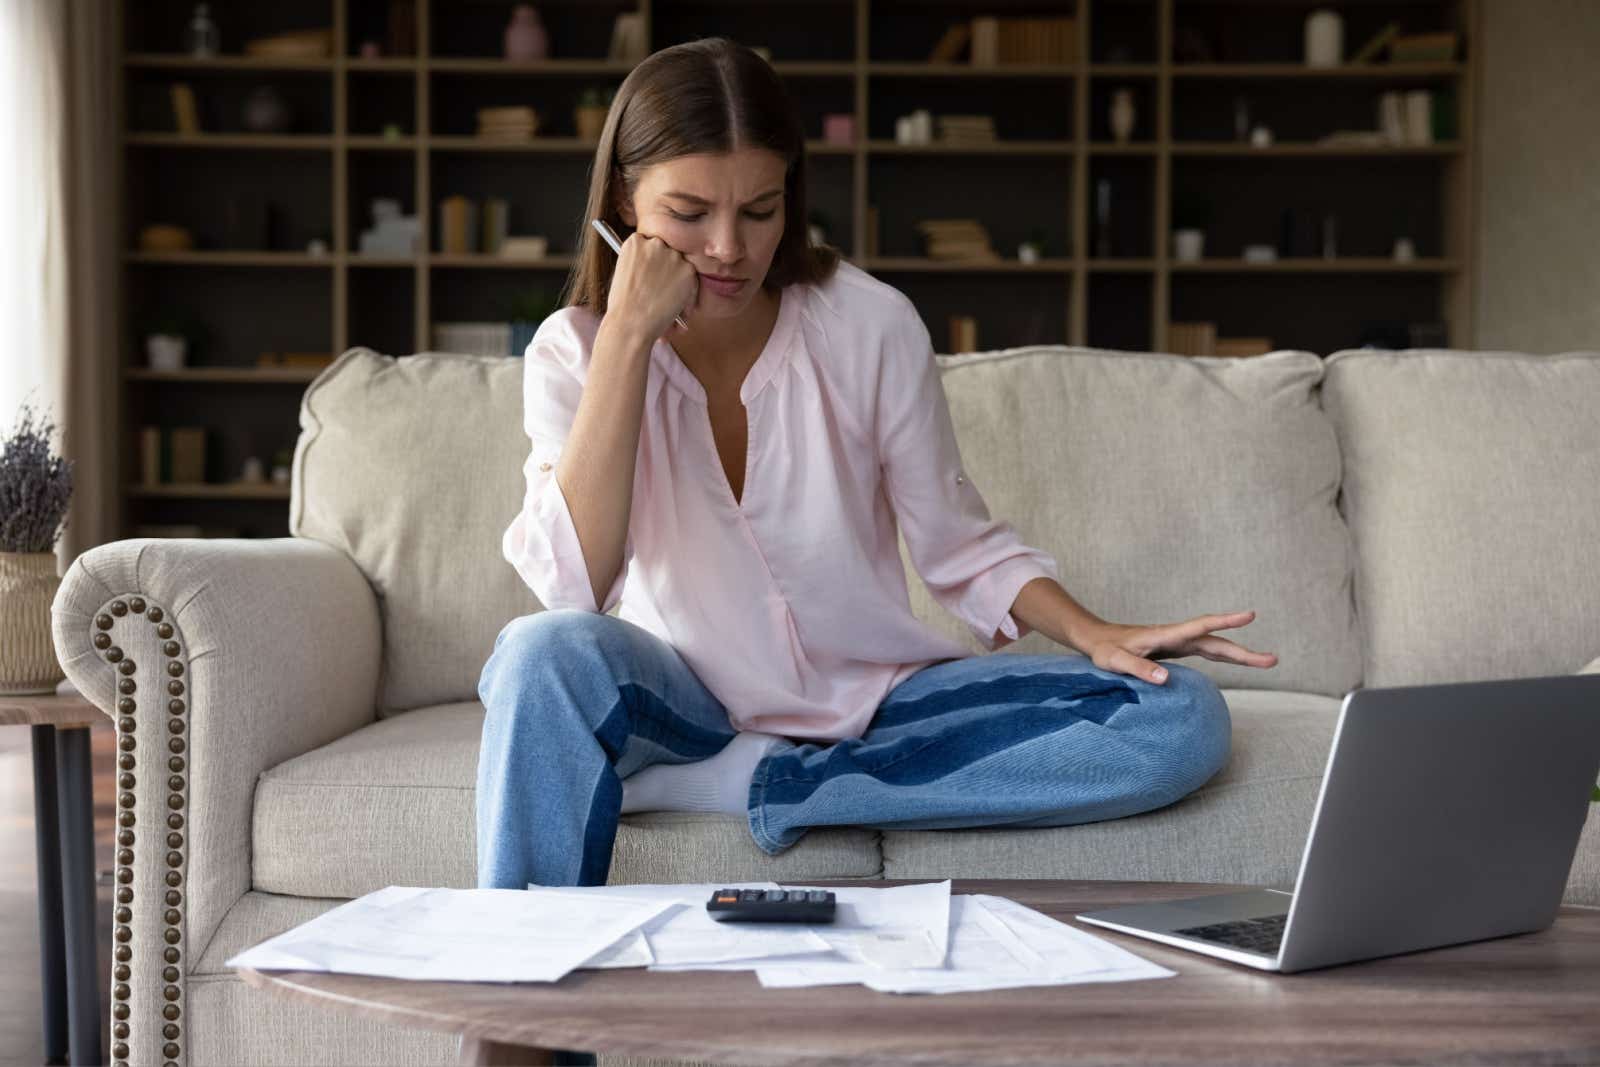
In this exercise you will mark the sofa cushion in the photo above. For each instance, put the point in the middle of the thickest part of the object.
(1247, 825)
(1470, 488)
(1168, 487)
(394, 804)
(413, 467)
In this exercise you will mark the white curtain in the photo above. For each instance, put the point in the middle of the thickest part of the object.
(59, 211)
(32, 248)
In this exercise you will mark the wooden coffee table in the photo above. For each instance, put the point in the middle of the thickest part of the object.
(1529, 998)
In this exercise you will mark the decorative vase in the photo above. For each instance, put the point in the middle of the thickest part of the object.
(1188, 245)
(166, 351)
(265, 111)
(526, 37)
(1123, 115)
(1324, 39)
(28, 584)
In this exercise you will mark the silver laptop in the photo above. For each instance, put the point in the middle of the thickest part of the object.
(1448, 813)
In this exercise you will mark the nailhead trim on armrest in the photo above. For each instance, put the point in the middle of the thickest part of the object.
(129, 753)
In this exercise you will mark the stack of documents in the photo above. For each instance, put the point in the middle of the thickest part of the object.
(905, 939)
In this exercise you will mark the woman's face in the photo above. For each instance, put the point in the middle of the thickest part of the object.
(724, 212)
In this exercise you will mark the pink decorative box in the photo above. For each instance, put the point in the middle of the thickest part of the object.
(839, 129)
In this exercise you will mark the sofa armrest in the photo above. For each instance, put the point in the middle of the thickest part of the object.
(217, 658)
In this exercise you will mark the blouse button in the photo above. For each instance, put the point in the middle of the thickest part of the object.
(961, 479)
(544, 466)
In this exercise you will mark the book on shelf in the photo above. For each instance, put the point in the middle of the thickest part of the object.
(952, 44)
(1243, 346)
(1369, 52)
(966, 129)
(457, 225)
(154, 459)
(963, 333)
(956, 239)
(507, 123)
(185, 112)
(998, 40)
(188, 448)
(496, 216)
(1423, 48)
(1192, 338)
(472, 338)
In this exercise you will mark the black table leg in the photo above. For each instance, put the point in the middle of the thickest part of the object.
(47, 856)
(75, 794)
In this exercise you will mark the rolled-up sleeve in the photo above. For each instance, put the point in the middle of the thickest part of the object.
(973, 565)
(542, 542)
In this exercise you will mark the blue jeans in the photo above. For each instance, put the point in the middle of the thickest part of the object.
(578, 701)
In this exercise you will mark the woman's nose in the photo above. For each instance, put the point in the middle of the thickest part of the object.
(724, 246)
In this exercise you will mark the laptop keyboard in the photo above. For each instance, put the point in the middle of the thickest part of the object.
(1262, 934)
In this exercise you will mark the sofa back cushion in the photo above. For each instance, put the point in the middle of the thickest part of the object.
(1472, 488)
(1165, 486)
(413, 466)
(1168, 487)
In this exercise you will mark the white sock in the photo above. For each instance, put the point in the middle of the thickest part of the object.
(720, 783)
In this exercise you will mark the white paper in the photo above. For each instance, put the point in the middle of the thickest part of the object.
(468, 935)
(686, 937)
(994, 943)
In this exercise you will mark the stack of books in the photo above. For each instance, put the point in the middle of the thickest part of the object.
(507, 123)
(966, 129)
(963, 333)
(472, 338)
(956, 239)
(1243, 346)
(1023, 40)
(172, 455)
(1192, 338)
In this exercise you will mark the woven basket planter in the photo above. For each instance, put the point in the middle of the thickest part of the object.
(28, 583)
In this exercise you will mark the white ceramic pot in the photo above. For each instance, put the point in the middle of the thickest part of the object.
(1324, 39)
(166, 351)
(1188, 245)
(28, 584)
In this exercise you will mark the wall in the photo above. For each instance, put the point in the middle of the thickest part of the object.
(1538, 240)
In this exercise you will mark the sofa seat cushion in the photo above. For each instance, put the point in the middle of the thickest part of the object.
(394, 804)
(1247, 825)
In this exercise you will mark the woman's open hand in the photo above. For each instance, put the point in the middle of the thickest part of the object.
(1131, 649)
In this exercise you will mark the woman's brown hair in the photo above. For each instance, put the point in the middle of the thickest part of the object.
(709, 96)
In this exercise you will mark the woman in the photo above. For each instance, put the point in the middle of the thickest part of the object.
(749, 473)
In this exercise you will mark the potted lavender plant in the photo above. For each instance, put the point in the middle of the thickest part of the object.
(35, 488)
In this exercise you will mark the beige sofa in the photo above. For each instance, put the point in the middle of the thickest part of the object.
(298, 717)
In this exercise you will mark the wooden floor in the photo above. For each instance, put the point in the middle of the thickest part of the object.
(21, 1041)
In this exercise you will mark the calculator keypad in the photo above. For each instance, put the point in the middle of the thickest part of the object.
(772, 905)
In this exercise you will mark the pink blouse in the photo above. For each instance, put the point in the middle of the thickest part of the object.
(789, 605)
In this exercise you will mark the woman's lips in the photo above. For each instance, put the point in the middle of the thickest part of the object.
(720, 287)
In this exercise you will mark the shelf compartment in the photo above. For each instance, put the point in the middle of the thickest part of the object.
(1274, 306)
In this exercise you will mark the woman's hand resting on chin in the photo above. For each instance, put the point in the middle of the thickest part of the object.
(1132, 649)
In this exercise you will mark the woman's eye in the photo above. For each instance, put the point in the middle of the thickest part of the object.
(692, 218)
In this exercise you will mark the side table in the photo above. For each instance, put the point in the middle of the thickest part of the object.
(63, 816)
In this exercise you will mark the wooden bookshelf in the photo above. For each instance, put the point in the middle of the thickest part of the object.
(865, 57)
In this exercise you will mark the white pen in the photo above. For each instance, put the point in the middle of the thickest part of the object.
(616, 246)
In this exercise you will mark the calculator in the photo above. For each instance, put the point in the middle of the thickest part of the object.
(771, 906)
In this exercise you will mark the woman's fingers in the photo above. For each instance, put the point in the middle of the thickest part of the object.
(1229, 620)
(1116, 658)
(1224, 651)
